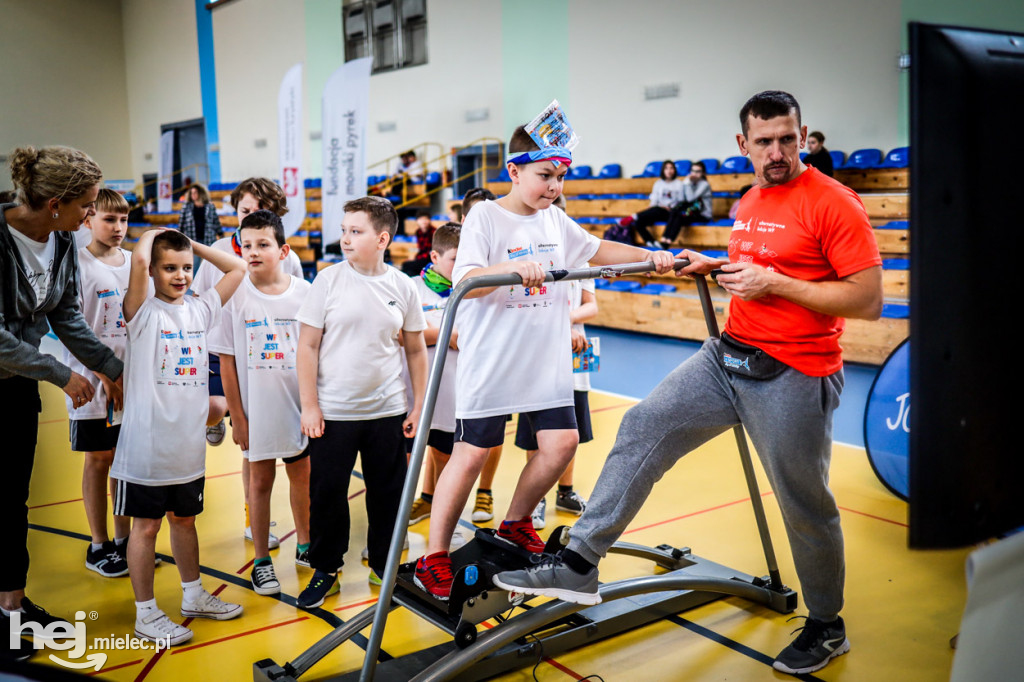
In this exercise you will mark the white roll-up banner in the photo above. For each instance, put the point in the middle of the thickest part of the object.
(164, 200)
(345, 106)
(289, 132)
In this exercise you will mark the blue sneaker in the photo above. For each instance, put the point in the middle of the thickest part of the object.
(320, 586)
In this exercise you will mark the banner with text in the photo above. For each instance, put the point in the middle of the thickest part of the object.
(289, 132)
(345, 103)
(164, 200)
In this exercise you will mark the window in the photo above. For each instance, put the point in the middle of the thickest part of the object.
(393, 32)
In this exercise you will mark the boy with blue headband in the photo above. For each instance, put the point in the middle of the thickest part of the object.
(515, 344)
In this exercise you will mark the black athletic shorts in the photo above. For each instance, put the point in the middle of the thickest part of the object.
(489, 432)
(526, 433)
(291, 460)
(442, 441)
(153, 501)
(93, 435)
(216, 386)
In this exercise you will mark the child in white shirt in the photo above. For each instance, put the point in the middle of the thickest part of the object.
(257, 339)
(160, 463)
(352, 392)
(515, 346)
(103, 272)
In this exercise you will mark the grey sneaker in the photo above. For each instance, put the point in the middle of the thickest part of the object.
(571, 502)
(549, 577)
(538, 515)
(816, 645)
(215, 434)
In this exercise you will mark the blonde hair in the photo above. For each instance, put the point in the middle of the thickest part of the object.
(110, 201)
(60, 173)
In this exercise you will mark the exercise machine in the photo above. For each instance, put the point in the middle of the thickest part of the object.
(552, 627)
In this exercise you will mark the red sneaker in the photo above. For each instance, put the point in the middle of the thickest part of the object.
(434, 575)
(521, 534)
(627, 221)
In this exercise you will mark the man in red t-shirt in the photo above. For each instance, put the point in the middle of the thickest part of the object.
(802, 257)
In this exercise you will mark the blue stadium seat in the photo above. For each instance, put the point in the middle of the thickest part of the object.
(736, 164)
(651, 170)
(683, 167)
(897, 158)
(601, 283)
(433, 179)
(656, 289)
(710, 166)
(580, 173)
(803, 155)
(838, 159)
(895, 263)
(611, 171)
(624, 285)
(895, 225)
(863, 159)
(895, 311)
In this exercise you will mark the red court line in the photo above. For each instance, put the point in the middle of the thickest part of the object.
(357, 494)
(240, 634)
(686, 516)
(53, 421)
(365, 602)
(872, 516)
(550, 661)
(153, 661)
(612, 407)
(115, 667)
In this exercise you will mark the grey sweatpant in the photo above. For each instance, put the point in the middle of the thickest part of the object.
(789, 419)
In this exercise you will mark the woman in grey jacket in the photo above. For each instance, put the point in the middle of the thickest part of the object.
(56, 190)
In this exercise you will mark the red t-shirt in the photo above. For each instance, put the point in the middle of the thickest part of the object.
(812, 228)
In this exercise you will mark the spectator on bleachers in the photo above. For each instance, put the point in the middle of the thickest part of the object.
(695, 205)
(817, 155)
(410, 166)
(424, 243)
(734, 209)
(198, 220)
(666, 193)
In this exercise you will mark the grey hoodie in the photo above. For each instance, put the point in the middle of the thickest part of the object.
(22, 327)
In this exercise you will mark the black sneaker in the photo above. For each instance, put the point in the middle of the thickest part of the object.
(264, 581)
(816, 645)
(22, 649)
(37, 614)
(320, 586)
(108, 560)
(570, 502)
(302, 558)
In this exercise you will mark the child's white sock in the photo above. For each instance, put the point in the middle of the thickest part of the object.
(193, 590)
(144, 608)
(96, 547)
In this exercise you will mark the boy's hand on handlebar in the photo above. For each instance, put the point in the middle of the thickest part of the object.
(663, 261)
(531, 272)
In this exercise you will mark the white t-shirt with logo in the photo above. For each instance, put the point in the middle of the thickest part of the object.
(101, 290)
(360, 372)
(38, 260)
(444, 407)
(516, 354)
(166, 392)
(262, 332)
(580, 380)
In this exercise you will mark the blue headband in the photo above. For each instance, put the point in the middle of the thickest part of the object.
(555, 155)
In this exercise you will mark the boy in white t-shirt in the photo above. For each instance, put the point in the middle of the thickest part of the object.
(515, 346)
(251, 194)
(160, 463)
(257, 340)
(103, 273)
(434, 285)
(359, 316)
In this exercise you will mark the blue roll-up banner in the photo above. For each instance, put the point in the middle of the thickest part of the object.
(887, 422)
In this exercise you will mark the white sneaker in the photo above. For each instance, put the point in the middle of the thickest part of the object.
(156, 626)
(215, 434)
(539, 516)
(365, 554)
(458, 540)
(272, 541)
(208, 606)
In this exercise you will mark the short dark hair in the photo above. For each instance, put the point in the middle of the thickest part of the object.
(423, 213)
(262, 219)
(702, 166)
(380, 211)
(766, 105)
(475, 196)
(522, 142)
(169, 240)
(267, 193)
(666, 164)
(819, 136)
(446, 238)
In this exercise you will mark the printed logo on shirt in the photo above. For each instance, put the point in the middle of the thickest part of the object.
(105, 293)
(520, 251)
(164, 334)
(392, 302)
(740, 225)
(256, 323)
(546, 248)
(272, 350)
(183, 360)
(767, 226)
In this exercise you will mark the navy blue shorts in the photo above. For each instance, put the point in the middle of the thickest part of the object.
(442, 441)
(93, 435)
(489, 432)
(526, 432)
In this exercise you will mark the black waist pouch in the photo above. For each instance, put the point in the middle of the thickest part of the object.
(747, 361)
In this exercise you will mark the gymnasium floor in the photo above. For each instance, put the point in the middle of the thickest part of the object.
(902, 606)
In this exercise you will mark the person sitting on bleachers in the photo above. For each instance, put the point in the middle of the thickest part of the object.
(695, 205)
(817, 155)
(666, 193)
